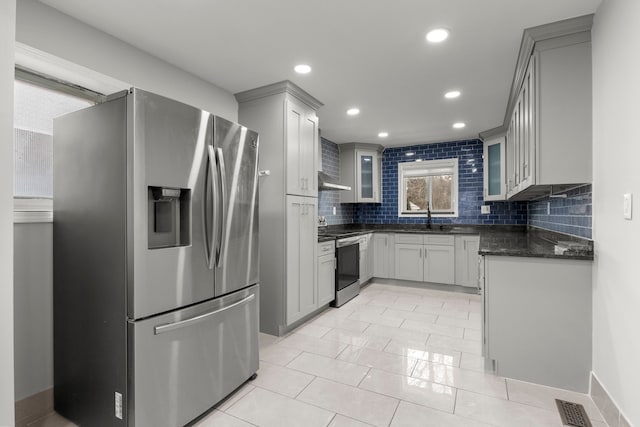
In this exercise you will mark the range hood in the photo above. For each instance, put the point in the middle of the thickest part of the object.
(327, 182)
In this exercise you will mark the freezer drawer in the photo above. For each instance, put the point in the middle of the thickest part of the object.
(185, 362)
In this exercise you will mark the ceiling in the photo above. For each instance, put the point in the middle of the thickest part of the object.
(370, 54)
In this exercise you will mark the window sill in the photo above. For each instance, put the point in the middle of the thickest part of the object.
(26, 211)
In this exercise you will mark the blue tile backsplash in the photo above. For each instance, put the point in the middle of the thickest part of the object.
(469, 154)
(571, 215)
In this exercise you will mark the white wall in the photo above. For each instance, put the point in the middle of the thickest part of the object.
(616, 145)
(7, 40)
(44, 28)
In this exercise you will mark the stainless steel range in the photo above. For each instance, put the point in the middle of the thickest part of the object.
(347, 270)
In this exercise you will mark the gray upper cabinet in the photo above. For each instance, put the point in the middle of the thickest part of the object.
(495, 187)
(548, 121)
(360, 168)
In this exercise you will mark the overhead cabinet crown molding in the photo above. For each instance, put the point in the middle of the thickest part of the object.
(284, 86)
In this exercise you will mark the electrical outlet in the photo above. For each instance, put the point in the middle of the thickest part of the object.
(628, 205)
(485, 209)
(548, 208)
(335, 210)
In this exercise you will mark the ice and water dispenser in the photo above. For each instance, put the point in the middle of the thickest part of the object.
(169, 217)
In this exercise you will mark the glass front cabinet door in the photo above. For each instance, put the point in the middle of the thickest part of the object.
(494, 169)
(367, 176)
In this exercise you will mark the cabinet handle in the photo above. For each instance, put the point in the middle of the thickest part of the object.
(465, 245)
(420, 253)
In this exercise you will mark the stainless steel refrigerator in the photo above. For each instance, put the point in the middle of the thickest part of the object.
(155, 261)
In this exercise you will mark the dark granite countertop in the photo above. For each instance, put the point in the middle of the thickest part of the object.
(501, 240)
(325, 238)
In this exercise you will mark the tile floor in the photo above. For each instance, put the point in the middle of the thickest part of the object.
(393, 356)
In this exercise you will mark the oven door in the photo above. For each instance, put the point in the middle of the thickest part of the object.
(348, 270)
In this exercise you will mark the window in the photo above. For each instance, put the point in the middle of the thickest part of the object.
(37, 101)
(428, 185)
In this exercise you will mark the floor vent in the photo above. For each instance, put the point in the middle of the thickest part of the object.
(573, 414)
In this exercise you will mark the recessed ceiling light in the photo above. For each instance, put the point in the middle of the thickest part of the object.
(353, 111)
(452, 94)
(438, 35)
(302, 69)
(459, 125)
(383, 134)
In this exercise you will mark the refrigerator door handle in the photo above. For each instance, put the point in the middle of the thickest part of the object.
(223, 219)
(168, 327)
(210, 236)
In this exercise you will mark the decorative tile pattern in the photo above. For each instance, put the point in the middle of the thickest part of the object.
(470, 197)
(571, 215)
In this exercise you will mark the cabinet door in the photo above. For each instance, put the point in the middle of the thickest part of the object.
(367, 180)
(467, 260)
(301, 146)
(494, 169)
(381, 255)
(301, 257)
(439, 264)
(408, 263)
(326, 278)
(308, 155)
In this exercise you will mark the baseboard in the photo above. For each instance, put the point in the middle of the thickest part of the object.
(34, 407)
(606, 405)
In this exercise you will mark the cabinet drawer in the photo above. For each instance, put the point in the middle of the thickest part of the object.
(411, 239)
(325, 248)
(439, 239)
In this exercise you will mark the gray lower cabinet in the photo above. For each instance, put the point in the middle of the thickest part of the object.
(425, 258)
(326, 272)
(467, 257)
(383, 255)
(537, 319)
(302, 239)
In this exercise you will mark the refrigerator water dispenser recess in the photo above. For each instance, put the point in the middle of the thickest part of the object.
(169, 217)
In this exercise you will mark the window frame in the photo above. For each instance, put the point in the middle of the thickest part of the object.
(427, 167)
(40, 209)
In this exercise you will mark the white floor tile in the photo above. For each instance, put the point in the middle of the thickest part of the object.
(394, 305)
(361, 405)
(459, 344)
(433, 395)
(239, 394)
(417, 350)
(312, 330)
(411, 315)
(544, 397)
(442, 311)
(282, 380)
(325, 367)
(378, 359)
(265, 408)
(266, 340)
(473, 362)
(341, 323)
(396, 333)
(461, 378)
(472, 334)
(357, 339)
(433, 328)
(313, 345)
(411, 415)
(342, 421)
(220, 419)
(443, 319)
(376, 319)
(502, 412)
(371, 309)
(279, 354)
